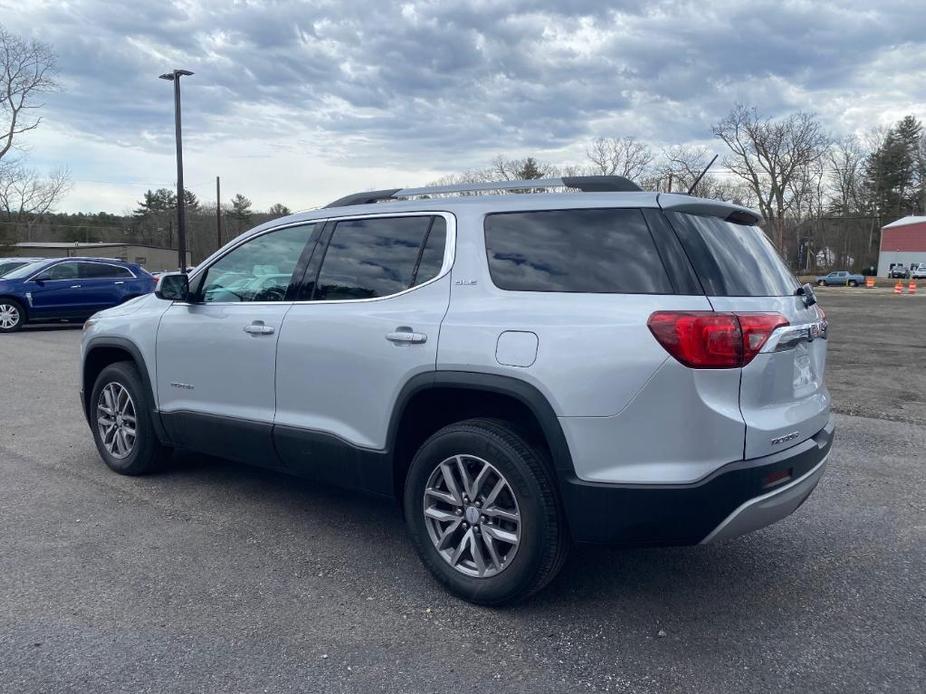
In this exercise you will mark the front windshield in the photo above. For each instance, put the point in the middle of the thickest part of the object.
(25, 270)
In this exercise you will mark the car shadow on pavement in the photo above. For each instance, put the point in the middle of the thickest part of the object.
(751, 574)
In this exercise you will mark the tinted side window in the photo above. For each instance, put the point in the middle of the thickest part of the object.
(606, 250)
(259, 270)
(432, 255)
(102, 271)
(61, 271)
(732, 259)
(368, 258)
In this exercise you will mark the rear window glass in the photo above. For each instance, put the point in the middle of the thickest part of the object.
(732, 259)
(588, 250)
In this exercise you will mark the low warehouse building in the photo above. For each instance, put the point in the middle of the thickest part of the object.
(902, 242)
(152, 258)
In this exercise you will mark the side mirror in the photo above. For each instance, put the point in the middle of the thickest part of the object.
(173, 286)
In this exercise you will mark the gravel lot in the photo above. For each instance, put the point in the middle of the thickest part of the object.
(219, 577)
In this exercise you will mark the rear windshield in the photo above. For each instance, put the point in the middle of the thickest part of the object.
(586, 250)
(732, 259)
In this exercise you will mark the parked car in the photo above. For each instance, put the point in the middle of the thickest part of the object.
(840, 278)
(7, 265)
(68, 289)
(899, 271)
(918, 271)
(520, 371)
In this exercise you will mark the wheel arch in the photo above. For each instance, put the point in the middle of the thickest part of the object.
(103, 351)
(433, 400)
(24, 305)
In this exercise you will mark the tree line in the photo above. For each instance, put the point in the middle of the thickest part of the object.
(824, 198)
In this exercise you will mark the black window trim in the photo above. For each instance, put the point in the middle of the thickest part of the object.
(656, 245)
(79, 261)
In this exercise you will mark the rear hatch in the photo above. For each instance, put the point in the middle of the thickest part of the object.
(783, 399)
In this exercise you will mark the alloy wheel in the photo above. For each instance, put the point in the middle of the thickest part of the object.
(9, 316)
(472, 516)
(116, 420)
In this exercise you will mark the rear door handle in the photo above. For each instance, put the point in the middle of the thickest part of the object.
(258, 328)
(405, 334)
(75, 286)
(119, 282)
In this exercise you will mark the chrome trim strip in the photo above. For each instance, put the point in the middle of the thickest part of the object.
(450, 246)
(759, 499)
(789, 336)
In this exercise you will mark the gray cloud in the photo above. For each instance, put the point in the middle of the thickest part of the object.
(431, 82)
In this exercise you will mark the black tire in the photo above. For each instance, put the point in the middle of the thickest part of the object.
(853, 283)
(147, 453)
(20, 312)
(544, 542)
(821, 283)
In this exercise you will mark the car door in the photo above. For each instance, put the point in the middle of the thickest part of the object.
(216, 354)
(102, 284)
(368, 320)
(55, 292)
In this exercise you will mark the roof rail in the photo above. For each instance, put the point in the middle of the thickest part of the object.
(587, 184)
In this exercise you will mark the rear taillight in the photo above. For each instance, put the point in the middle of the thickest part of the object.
(711, 340)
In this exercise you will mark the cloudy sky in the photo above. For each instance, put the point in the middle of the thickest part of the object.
(302, 102)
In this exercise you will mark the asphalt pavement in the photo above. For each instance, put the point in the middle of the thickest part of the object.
(213, 576)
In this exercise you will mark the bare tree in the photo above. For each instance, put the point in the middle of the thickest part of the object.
(680, 167)
(771, 156)
(626, 156)
(25, 73)
(845, 159)
(25, 195)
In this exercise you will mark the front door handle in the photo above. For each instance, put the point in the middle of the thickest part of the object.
(258, 328)
(118, 282)
(75, 286)
(405, 334)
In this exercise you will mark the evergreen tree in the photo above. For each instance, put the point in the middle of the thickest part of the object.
(278, 210)
(241, 208)
(894, 173)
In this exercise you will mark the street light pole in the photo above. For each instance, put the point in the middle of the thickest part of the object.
(181, 216)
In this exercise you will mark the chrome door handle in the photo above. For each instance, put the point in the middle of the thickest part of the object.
(118, 282)
(258, 328)
(75, 286)
(405, 334)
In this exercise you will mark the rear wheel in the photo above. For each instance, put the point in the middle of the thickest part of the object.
(481, 507)
(12, 316)
(120, 415)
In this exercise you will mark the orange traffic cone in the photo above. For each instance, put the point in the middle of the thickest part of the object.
(869, 282)
(911, 287)
(898, 288)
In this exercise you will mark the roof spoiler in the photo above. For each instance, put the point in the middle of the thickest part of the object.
(586, 184)
(676, 202)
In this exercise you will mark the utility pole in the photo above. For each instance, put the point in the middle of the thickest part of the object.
(181, 216)
(218, 213)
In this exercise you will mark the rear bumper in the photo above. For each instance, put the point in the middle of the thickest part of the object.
(736, 499)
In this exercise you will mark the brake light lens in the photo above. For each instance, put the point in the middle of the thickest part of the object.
(712, 340)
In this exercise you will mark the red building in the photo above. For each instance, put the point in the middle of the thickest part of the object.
(902, 242)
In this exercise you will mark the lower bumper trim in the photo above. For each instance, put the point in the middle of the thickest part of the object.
(733, 500)
(768, 508)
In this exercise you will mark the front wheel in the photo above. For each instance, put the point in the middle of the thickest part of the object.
(481, 507)
(120, 415)
(821, 283)
(12, 316)
(853, 283)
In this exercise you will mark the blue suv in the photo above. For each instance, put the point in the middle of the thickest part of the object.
(70, 289)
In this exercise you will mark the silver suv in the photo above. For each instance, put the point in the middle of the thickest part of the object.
(520, 371)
